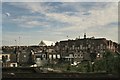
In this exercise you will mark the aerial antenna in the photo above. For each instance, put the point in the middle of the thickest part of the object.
(15, 42)
(67, 37)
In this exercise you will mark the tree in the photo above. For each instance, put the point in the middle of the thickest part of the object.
(93, 56)
(4, 59)
(117, 63)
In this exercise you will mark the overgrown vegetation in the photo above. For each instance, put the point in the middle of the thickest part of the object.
(110, 63)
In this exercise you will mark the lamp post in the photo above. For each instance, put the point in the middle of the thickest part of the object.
(19, 40)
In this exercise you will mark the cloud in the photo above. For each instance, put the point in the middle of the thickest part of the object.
(96, 18)
(33, 6)
(56, 21)
(7, 14)
(32, 24)
(61, 1)
(29, 21)
(98, 15)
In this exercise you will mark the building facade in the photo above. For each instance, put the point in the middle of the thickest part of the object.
(85, 48)
(73, 51)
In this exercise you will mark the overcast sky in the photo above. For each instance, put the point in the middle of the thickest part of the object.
(30, 22)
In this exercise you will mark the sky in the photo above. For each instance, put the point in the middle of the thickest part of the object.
(27, 23)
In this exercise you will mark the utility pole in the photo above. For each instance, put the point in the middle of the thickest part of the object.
(19, 40)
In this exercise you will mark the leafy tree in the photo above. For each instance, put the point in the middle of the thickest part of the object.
(117, 63)
(110, 63)
(93, 56)
(4, 59)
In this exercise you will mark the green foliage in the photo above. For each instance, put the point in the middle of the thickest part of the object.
(68, 68)
(109, 63)
(99, 65)
(117, 64)
(4, 59)
(81, 68)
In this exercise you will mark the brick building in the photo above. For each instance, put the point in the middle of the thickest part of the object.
(80, 49)
(119, 48)
(85, 48)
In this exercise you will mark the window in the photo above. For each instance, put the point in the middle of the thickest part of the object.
(50, 56)
(14, 65)
(80, 46)
(81, 56)
(104, 47)
(6, 57)
(101, 46)
(80, 51)
(92, 47)
(43, 55)
(65, 46)
(83, 47)
(73, 47)
(89, 46)
(75, 55)
(58, 56)
(54, 56)
(24, 56)
(98, 47)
